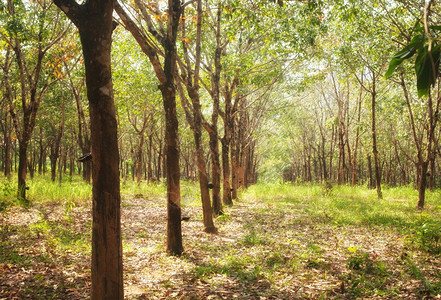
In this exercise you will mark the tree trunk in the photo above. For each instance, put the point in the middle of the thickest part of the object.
(205, 192)
(94, 21)
(374, 142)
(55, 152)
(432, 171)
(214, 138)
(166, 75)
(226, 196)
(357, 137)
(107, 280)
(139, 157)
(42, 157)
(215, 173)
(149, 158)
(22, 170)
(174, 235)
(234, 170)
(371, 180)
(422, 184)
(168, 90)
(7, 163)
(193, 114)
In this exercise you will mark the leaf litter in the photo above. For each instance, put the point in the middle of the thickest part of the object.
(260, 253)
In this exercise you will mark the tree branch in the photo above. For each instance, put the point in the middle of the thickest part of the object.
(72, 10)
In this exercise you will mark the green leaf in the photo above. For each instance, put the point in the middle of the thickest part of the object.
(426, 75)
(394, 63)
(405, 53)
(435, 27)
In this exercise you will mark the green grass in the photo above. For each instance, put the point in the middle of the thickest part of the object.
(346, 205)
(74, 190)
(347, 208)
(42, 189)
(273, 233)
(131, 189)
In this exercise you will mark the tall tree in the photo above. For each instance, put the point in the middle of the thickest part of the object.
(94, 22)
(165, 72)
(425, 42)
(6, 125)
(36, 26)
(193, 111)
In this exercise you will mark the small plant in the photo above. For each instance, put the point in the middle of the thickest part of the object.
(275, 259)
(360, 262)
(143, 235)
(429, 236)
(367, 274)
(203, 271)
(427, 286)
(252, 239)
(69, 204)
(224, 217)
(6, 195)
(327, 189)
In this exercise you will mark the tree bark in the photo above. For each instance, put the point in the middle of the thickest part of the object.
(193, 113)
(374, 140)
(194, 118)
(7, 163)
(215, 172)
(166, 76)
(94, 21)
(168, 90)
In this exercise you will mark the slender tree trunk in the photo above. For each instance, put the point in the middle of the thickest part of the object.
(166, 75)
(31, 161)
(22, 169)
(370, 177)
(174, 235)
(168, 90)
(215, 173)
(7, 163)
(226, 196)
(139, 157)
(42, 156)
(107, 281)
(193, 113)
(432, 171)
(357, 137)
(55, 152)
(205, 193)
(374, 142)
(422, 184)
(149, 159)
(234, 170)
(214, 135)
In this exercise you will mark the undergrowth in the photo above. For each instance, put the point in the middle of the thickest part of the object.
(276, 237)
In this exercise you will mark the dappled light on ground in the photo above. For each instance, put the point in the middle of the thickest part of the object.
(281, 246)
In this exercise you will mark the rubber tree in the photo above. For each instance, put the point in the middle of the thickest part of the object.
(151, 40)
(95, 25)
(193, 111)
(30, 31)
(426, 45)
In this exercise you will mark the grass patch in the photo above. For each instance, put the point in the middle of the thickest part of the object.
(42, 189)
(146, 190)
(277, 240)
(347, 205)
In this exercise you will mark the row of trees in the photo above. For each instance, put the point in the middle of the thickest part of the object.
(367, 110)
(212, 90)
(41, 61)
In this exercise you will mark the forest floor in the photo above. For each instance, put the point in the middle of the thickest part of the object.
(281, 244)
